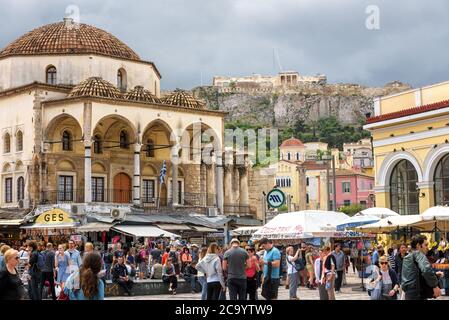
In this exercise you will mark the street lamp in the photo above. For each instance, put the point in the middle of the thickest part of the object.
(330, 158)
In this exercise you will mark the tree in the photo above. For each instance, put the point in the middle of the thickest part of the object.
(351, 209)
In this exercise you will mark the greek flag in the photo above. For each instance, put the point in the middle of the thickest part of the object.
(162, 173)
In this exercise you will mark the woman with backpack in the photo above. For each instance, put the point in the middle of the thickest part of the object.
(292, 271)
(85, 284)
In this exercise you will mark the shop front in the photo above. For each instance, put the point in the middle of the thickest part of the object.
(55, 226)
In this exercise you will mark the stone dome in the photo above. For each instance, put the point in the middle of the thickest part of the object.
(142, 95)
(69, 38)
(183, 99)
(95, 87)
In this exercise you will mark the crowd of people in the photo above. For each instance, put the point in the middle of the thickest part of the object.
(80, 272)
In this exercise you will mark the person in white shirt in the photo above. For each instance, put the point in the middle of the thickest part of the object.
(292, 272)
(318, 265)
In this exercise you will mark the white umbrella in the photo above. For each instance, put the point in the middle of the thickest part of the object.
(357, 221)
(378, 212)
(435, 218)
(393, 223)
(301, 225)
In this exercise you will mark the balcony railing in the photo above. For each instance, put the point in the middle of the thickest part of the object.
(126, 196)
(77, 196)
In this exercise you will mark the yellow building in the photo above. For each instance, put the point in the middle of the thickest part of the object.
(410, 133)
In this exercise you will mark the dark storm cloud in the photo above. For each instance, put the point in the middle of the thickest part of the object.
(187, 38)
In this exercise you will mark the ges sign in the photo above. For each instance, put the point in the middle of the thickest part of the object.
(54, 216)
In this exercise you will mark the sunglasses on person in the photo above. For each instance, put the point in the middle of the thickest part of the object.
(384, 263)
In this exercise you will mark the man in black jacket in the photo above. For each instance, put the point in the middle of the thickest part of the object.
(120, 276)
(398, 260)
(35, 272)
(419, 281)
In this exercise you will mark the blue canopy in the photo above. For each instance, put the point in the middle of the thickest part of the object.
(357, 221)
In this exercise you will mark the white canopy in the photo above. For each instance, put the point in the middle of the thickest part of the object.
(145, 231)
(356, 221)
(301, 225)
(434, 218)
(378, 212)
(390, 224)
(245, 231)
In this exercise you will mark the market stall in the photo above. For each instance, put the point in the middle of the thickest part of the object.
(301, 225)
(54, 226)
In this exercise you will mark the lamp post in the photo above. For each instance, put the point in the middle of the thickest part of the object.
(328, 159)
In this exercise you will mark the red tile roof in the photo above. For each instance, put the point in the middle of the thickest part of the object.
(408, 112)
(292, 142)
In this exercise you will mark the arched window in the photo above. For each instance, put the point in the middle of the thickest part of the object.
(150, 148)
(288, 156)
(442, 182)
(51, 75)
(19, 141)
(404, 195)
(66, 141)
(123, 140)
(20, 188)
(297, 156)
(98, 144)
(7, 143)
(121, 79)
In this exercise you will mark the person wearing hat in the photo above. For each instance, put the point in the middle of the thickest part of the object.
(234, 262)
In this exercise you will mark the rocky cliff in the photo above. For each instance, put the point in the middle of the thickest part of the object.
(282, 107)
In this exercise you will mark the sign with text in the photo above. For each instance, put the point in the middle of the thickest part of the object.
(54, 216)
(275, 198)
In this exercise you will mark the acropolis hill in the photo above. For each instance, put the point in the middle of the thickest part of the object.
(282, 104)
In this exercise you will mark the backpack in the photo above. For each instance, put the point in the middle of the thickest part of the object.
(40, 261)
(300, 263)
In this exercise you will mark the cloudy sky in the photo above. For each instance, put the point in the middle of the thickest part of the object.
(192, 40)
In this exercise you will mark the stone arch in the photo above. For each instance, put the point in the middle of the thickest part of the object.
(65, 165)
(158, 133)
(149, 170)
(431, 161)
(388, 164)
(6, 168)
(18, 166)
(106, 123)
(191, 134)
(56, 127)
(98, 167)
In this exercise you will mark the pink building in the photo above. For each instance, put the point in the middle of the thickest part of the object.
(352, 188)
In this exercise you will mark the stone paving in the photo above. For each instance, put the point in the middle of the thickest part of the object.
(348, 292)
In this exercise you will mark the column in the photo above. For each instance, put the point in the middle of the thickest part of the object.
(302, 188)
(426, 195)
(210, 185)
(87, 171)
(236, 185)
(219, 183)
(244, 197)
(228, 185)
(136, 176)
(174, 179)
(87, 133)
